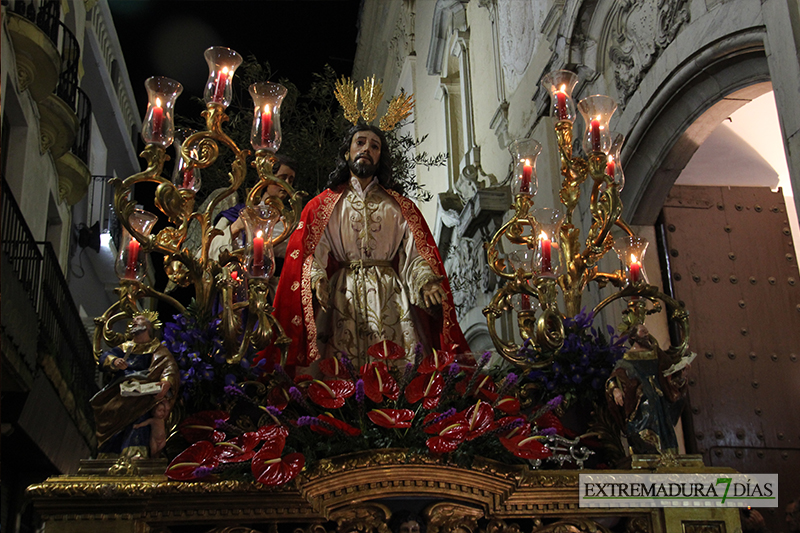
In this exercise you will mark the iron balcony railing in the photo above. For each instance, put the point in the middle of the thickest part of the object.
(61, 332)
(48, 19)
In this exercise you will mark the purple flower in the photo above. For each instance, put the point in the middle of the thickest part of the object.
(555, 402)
(274, 411)
(233, 390)
(295, 394)
(548, 431)
(446, 414)
(308, 421)
(203, 471)
(360, 391)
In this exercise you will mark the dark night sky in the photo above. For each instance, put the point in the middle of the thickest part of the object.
(297, 38)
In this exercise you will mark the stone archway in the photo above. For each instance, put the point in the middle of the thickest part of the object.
(688, 106)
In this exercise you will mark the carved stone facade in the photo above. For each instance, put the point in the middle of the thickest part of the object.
(640, 32)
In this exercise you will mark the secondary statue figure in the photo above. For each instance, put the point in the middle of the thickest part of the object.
(362, 266)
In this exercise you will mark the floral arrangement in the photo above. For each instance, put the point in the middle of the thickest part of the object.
(581, 366)
(268, 424)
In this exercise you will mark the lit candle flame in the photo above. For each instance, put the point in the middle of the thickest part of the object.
(633, 259)
(158, 102)
(259, 233)
(611, 159)
(543, 236)
(563, 88)
(225, 70)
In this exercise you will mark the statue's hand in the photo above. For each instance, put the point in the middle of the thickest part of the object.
(322, 293)
(164, 389)
(618, 399)
(433, 293)
(120, 363)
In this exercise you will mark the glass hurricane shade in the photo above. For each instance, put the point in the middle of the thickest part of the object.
(184, 177)
(159, 120)
(266, 131)
(222, 64)
(131, 260)
(614, 166)
(597, 111)
(259, 221)
(631, 250)
(523, 154)
(560, 84)
(547, 232)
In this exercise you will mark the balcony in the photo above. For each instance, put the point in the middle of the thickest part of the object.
(40, 41)
(42, 330)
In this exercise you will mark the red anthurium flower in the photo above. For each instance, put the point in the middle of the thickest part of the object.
(524, 429)
(483, 388)
(303, 378)
(526, 447)
(549, 420)
(392, 418)
(333, 367)
(270, 468)
(386, 350)
(378, 382)
(278, 397)
(448, 438)
(199, 454)
(268, 432)
(426, 387)
(433, 429)
(479, 419)
(509, 405)
(436, 362)
(338, 424)
(331, 394)
(203, 426)
(238, 450)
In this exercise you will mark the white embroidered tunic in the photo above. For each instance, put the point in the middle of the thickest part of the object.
(369, 299)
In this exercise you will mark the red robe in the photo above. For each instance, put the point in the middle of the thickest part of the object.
(294, 300)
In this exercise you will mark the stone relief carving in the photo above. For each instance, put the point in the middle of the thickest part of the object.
(642, 30)
(466, 267)
(517, 23)
(401, 45)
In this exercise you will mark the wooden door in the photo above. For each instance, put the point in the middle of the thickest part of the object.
(731, 260)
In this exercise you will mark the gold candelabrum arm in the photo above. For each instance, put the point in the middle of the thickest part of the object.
(545, 333)
(210, 277)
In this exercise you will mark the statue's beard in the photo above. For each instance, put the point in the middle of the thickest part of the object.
(135, 330)
(362, 167)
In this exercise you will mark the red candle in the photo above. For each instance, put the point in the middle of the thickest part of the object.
(527, 172)
(610, 167)
(525, 301)
(188, 178)
(219, 89)
(258, 255)
(133, 259)
(234, 275)
(561, 104)
(594, 135)
(547, 264)
(636, 270)
(157, 120)
(266, 126)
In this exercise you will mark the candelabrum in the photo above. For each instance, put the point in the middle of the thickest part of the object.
(551, 257)
(234, 285)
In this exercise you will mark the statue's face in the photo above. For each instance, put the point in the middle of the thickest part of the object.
(409, 527)
(286, 174)
(139, 324)
(364, 154)
(160, 411)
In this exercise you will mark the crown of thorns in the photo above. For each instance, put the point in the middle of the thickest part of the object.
(371, 94)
